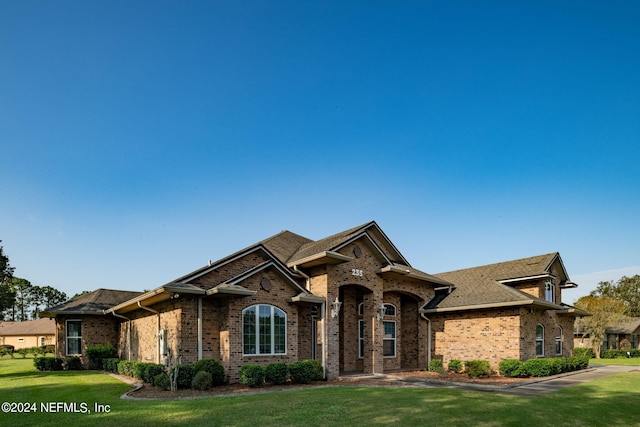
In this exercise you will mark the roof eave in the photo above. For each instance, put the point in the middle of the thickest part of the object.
(522, 303)
(321, 258)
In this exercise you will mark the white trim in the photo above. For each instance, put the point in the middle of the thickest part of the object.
(522, 279)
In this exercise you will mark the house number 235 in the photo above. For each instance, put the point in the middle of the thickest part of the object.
(357, 272)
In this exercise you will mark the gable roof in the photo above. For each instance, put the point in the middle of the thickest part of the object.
(43, 326)
(95, 302)
(485, 286)
(336, 241)
(626, 326)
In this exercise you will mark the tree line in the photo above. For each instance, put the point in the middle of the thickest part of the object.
(19, 299)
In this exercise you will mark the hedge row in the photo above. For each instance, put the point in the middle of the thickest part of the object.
(300, 372)
(156, 374)
(619, 354)
(57, 364)
(542, 367)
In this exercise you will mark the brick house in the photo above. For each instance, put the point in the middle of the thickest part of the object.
(621, 335)
(350, 301)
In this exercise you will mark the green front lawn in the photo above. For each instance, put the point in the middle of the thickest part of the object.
(611, 401)
(633, 361)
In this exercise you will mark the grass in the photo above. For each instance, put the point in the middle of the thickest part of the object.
(634, 361)
(610, 401)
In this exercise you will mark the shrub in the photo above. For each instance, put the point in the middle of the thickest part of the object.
(73, 364)
(252, 375)
(435, 365)
(110, 364)
(213, 367)
(162, 381)
(125, 367)
(477, 368)
(318, 372)
(6, 349)
(303, 372)
(510, 368)
(537, 367)
(202, 380)
(97, 353)
(150, 371)
(48, 363)
(276, 373)
(584, 351)
(455, 366)
(185, 375)
(23, 352)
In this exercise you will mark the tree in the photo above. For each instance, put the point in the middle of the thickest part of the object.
(7, 296)
(626, 289)
(22, 289)
(604, 311)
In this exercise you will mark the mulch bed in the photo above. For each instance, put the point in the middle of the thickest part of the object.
(395, 379)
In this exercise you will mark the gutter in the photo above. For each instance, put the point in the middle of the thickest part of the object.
(128, 331)
(424, 316)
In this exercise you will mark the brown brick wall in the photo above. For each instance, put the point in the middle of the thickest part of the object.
(490, 335)
(94, 329)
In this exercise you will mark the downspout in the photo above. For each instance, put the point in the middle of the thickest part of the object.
(306, 277)
(157, 328)
(128, 332)
(200, 328)
(324, 339)
(424, 316)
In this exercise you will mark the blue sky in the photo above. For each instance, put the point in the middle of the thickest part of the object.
(141, 139)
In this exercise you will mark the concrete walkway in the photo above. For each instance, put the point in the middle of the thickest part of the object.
(533, 387)
(557, 382)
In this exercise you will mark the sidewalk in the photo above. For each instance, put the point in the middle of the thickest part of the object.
(533, 387)
(557, 382)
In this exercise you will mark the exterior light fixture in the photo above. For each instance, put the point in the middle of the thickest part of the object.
(336, 308)
(381, 311)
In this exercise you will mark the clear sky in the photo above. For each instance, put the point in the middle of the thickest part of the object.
(139, 139)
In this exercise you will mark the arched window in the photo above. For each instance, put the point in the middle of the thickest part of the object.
(389, 310)
(539, 340)
(264, 330)
(360, 309)
(559, 340)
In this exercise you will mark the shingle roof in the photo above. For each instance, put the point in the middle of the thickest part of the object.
(627, 326)
(326, 244)
(480, 285)
(30, 327)
(92, 303)
(284, 244)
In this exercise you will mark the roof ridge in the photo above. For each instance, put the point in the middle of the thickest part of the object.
(499, 263)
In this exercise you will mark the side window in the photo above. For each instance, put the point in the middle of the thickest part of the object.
(559, 340)
(539, 340)
(74, 337)
(389, 341)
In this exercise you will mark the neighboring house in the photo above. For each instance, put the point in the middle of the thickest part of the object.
(622, 335)
(30, 333)
(351, 301)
